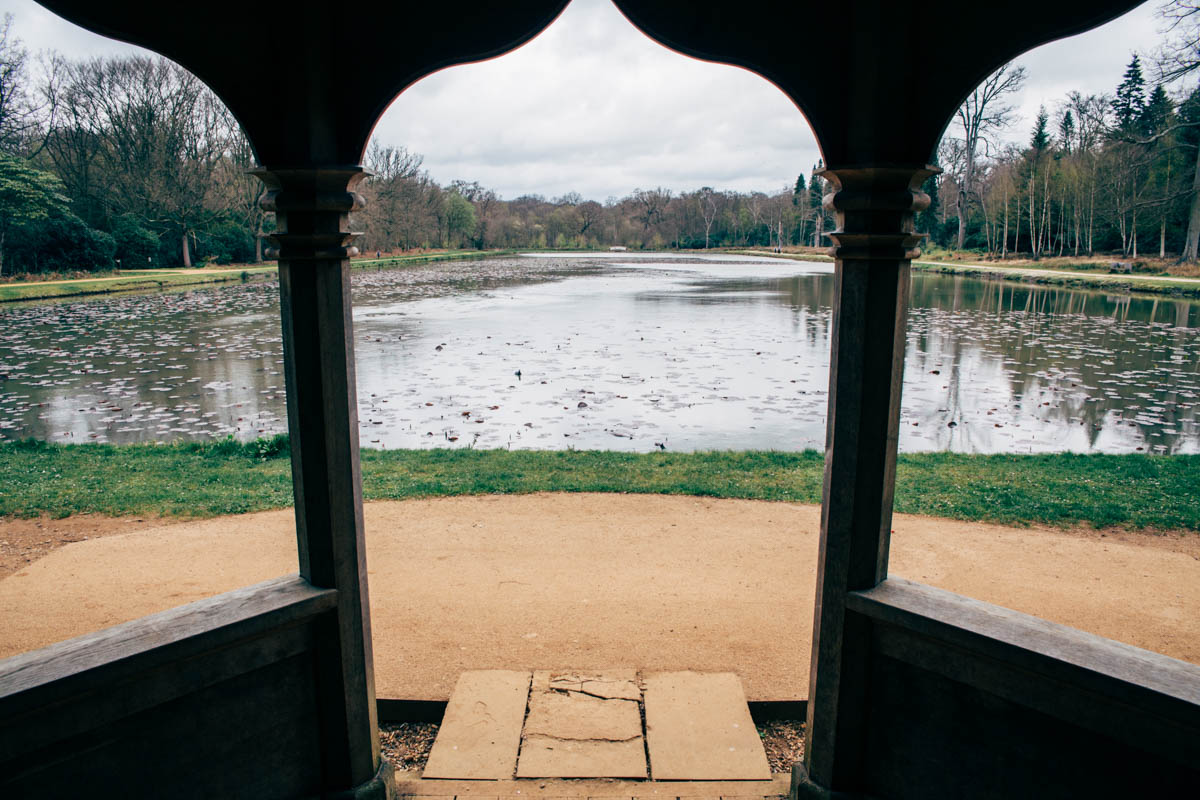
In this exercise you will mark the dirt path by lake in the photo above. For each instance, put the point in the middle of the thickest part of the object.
(592, 581)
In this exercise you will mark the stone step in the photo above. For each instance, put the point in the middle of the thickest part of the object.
(589, 724)
(583, 725)
(411, 784)
(481, 730)
(698, 728)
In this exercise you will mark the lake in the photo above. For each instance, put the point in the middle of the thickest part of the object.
(614, 351)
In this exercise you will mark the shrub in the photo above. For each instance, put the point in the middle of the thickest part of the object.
(135, 245)
(62, 243)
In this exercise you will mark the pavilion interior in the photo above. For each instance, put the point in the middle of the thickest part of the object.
(269, 691)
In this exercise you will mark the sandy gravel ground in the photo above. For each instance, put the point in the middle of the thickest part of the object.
(565, 581)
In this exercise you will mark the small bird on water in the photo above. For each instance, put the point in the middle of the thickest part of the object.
(518, 374)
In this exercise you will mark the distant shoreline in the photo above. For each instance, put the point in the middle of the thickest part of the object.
(156, 279)
(1114, 282)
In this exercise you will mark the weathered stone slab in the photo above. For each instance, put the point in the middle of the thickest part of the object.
(698, 727)
(613, 684)
(570, 733)
(481, 730)
(409, 782)
(579, 716)
(547, 757)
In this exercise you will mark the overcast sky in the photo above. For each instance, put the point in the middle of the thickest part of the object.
(595, 107)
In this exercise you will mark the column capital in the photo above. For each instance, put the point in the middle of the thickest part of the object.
(312, 208)
(875, 208)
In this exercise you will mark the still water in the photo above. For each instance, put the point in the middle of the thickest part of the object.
(614, 352)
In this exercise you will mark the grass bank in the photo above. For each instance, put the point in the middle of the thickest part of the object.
(130, 281)
(384, 262)
(154, 279)
(1082, 275)
(1095, 281)
(200, 480)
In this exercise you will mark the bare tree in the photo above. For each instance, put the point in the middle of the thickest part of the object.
(1178, 58)
(244, 190)
(1090, 115)
(590, 214)
(484, 200)
(1179, 54)
(396, 205)
(18, 115)
(708, 211)
(155, 134)
(651, 205)
(980, 117)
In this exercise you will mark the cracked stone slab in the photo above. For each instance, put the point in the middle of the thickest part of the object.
(698, 728)
(481, 730)
(578, 716)
(583, 725)
(615, 684)
(548, 757)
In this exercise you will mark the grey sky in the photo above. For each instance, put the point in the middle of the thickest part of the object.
(594, 106)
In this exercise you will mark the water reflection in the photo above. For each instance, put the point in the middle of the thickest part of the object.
(1020, 368)
(620, 352)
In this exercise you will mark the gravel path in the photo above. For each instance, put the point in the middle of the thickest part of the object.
(590, 581)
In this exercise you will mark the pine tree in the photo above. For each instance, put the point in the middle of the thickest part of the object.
(1066, 131)
(1130, 101)
(1189, 138)
(1041, 137)
(1157, 112)
(816, 199)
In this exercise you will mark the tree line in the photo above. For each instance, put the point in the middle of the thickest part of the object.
(1116, 172)
(406, 208)
(126, 161)
(130, 161)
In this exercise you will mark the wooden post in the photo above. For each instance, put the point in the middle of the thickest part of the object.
(875, 243)
(312, 209)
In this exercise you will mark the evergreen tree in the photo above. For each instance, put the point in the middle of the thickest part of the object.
(1189, 114)
(1189, 138)
(1066, 131)
(1041, 137)
(816, 198)
(1130, 101)
(26, 195)
(1157, 112)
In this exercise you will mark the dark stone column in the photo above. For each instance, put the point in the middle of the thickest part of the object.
(874, 245)
(312, 208)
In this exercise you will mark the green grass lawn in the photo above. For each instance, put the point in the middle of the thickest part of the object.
(200, 480)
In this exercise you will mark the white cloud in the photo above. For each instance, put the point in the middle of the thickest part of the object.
(594, 106)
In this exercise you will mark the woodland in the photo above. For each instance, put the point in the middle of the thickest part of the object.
(130, 161)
